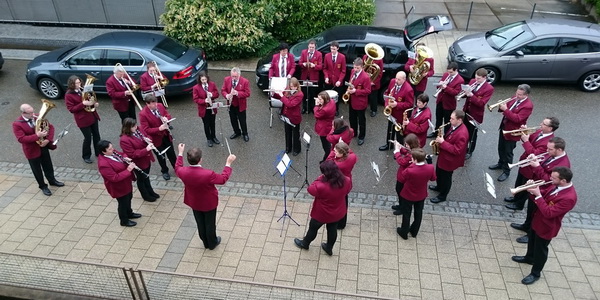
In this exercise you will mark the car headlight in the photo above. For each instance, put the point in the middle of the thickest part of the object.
(264, 68)
(466, 58)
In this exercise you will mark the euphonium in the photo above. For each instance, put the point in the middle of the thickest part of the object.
(373, 52)
(346, 95)
(500, 102)
(422, 66)
(435, 146)
(89, 95)
(41, 124)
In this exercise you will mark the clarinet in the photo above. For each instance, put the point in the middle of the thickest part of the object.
(127, 161)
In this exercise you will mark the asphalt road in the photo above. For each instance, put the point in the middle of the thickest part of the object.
(256, 158)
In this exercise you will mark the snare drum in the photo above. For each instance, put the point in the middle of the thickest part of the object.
(333, 95)
(275, 103)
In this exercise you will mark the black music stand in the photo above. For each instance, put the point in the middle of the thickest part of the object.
(306, 139)
(282, 165)
(308, 84)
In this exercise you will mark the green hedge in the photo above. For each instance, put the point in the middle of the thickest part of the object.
(595, 3)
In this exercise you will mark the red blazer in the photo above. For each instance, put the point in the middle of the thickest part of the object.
(117, 179)
(475, 105)
(360, 99)
(405, 97)
(447, 95)
(547, 219)
(513, 119)
(419, 125)
(291, 106)
(135, 149)
(377, 83)
(544, 170)
(146, 82)
(75, 106)
(28, 139)
(334, 71)
(423, 83)
(243, 88)
(200, 192)
(290, 66)
(415, 179)
(532, 146)
(453, 149)
(199, 95)
(347, 134)
(330, 203)
(310, 73)
(345, 164)
(403, 158)
(324, 117)
(116, 92)
(150, 123)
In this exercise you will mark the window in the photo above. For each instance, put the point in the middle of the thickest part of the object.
(87, 58)
(390, 55)
(170, 48)
(540, 47)
(126, 58)
(508, 36)
(570, 46)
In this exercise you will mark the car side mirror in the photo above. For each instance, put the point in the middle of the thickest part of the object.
(520, 53)
(65, 64)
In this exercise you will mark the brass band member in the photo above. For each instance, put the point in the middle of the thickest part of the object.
(236, 91)
(121, 98)
(204, 93)
(340, 130)
(149, 81)
(449, 86)
(87, 121)
(375, 86)
(324, 114)
(475, 105)
(410, 66)
(311, 64)
(153, 120)
(403, 95)
(292, 110)
(282, 63)
(418, 122)
(345, 159)
(403, 157)
(334, 71)
(359, 93)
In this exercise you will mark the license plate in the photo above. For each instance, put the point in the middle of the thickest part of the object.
(199, 65)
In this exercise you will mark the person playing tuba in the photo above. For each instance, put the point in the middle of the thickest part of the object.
(420, 67)
(86, 118)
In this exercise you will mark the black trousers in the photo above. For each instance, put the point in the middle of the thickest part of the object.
(143, 184)
(40, 164)
(399, 187)
(537, 252)
(417, 93)
(472, 137)
(444, 182)
(374, 99)
(531, 208)
(129, 113)
(505, 152)
(124, 208)
(238, 119)
(341, 224)
(521, 197)
(326, 146)
(407, 207)
(442, 116)
(170, 154)
(314, 226)
(309, 102)
(209, 125)
(90, 133)
(207, 227)
(292, 138)
(358, 122)
(392, 134)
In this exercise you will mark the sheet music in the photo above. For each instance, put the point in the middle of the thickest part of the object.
(216, 105)
(306, 137)
(88, 88)
(465, 87)
(489, 184)
(375, 168)
(431, 124)
(281, 167)
(286, 120)
(159, 93)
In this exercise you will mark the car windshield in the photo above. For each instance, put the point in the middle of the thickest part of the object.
(296, 50)
(69, 50)
(508, 36)
(170, 49)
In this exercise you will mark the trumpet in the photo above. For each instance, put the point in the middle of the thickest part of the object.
(464, 93)
(521, 131)
(131, 86)
(397, 126)
(401, 146)
(439, 89)
(499, 102)
(527, 161)
(346, 96)
(528, 186)
(162, 82)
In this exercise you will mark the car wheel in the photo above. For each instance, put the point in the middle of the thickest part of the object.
(590, 82)
(493, 75)
(49, 88)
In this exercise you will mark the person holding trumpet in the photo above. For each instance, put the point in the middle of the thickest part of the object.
(292, 106)
(86, 120)
(154, 121)
(448, 87)
(204, 94)
(474, 107)
(324, 111)
(398, 97)
(311, 64)
(553, 200)
(236, 91)
(359, 89)
(119, 93)
(418, 122)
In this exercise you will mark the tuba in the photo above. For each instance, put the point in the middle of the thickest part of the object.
(89, 95)
(422, 67)
(373, 52)
(435, 146)
(41, 123)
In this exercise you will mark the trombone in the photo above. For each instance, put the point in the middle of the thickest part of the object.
(162, 82)
(500, 102)
(528, 186)
(527, 161)
(134, 87)
(521, 131)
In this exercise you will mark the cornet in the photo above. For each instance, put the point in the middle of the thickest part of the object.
(521, 131)
(528, 186)
(500, 102)
(527, 161)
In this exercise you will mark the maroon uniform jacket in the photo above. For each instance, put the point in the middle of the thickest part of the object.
(513, 119)
(405, 97)
(536, 147)
(543, 171)
(324, 117)
(360, 99)
(291, 106)
(329, 205)
(403, 159)
(345, 164)
(117, 179)
(418, 124)
(423, 83)
(28, 139)
(116, 92)
(552, 207)
(199, 96)
(200, 192)
(243, 89)
(311, 73)
(75, 106)
(346, 134)
(415, 179)
(135, 148)
(290, 65)
(377, 82)
(475, 105)
(334, 71)
(453, 149)
(447, 95)
(150, 123)
(146, 82)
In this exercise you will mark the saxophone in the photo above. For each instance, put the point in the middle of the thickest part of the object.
(387, 111)
(435, 146)
(404, 119)
(41, 123)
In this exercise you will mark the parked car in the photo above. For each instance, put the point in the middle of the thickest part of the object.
(557, 50)
(49, 72)
(353, 38)
(1, 61)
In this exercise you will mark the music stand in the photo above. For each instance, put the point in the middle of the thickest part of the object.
(307, 83)
(306, 139)
(283, 164)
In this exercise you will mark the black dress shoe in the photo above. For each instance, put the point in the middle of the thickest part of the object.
(150, 199)
(216, 244)
(495, 167)
(432, 135)
(326, 249)
(216, 141)
(295, 153)
(56, 183)
(235, 136)
(509, 199)
(166, 176)
(522, 260)
(518, 226)
(513, 206)
(503, 176)
(135, 216)
(300, 244)
(403, 235)
(246, 138)
(155, 195)
(523, 240)
(46, 191)
(398, 212)
(210, 143)
(384, 147)
(360, 142)
(529, 279)
(396, 207)
(467, 156)
(436, 200)
(373, 114)
(129, 223)
(88, 161)
(434, 188)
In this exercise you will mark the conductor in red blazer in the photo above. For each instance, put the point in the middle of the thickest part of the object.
(122, 99)
(515, 114)
(324, 114)
(37, 154)
(204, 93)
(418, 122)
(311, 64)
(87, 121)
(236, 91)
(359, 99)
(153, 121)
(474, 107)
(450, 86)
(552, 203)
(200, 192)
(334, 71)
(291, 110)
(282, 63)
(410, 67)
(375, 85)
(453, 147)
(118, 175)
(403, 95)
